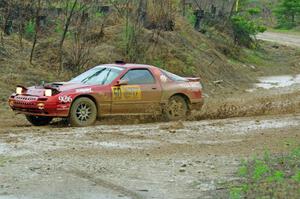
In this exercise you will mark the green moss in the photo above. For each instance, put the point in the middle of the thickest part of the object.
(278, 176)
(236, 193)
(243, 171)
(255, 57)
(30, 29)
(260, 169)
(296, 177)
(191, 16)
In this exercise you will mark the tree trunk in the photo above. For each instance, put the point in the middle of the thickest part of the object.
(183, 7)
(61, 43)
(233, 8)
(6, 24)
(2, 40)
(127, 29)
(142, 11)
(293, 18)
(36, 30)
(21, 36)
(237, 4)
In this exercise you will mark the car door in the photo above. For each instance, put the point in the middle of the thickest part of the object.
(102, 91)
(142, 94)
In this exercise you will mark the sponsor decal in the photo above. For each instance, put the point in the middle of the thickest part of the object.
(62, 107)
(26, 98)
(163, 78)
(192, 86)
(126, 93)
(83, 90)
(65, 99)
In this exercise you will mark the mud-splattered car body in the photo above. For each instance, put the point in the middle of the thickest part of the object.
(131, 89)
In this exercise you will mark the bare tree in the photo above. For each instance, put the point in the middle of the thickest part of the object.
(142, 11)
(183, 4)
(7, 12)
(23, 16)
(66, 29)
(162, 15)
(234, 7)
(37, 28)
(79, 53)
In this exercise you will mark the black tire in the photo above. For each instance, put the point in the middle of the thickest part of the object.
(83, 112)
(176, 109)
(38, 120)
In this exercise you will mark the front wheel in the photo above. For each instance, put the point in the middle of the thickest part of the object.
(83, 112)
(176, 109)
(38, 120)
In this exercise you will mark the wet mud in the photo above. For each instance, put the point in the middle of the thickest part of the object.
(143, 157)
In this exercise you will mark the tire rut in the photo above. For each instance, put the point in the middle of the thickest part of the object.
(105, 184)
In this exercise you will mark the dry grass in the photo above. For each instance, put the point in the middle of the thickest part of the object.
(183, 51)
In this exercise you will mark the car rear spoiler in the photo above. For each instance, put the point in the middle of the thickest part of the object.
(193, 79)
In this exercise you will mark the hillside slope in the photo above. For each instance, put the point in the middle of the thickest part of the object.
(184, 51)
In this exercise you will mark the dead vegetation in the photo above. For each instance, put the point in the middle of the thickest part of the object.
(135, 31)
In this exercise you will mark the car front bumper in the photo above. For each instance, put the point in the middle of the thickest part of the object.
(38, 106)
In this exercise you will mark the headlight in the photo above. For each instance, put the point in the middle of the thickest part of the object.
(19, 90)
(48, 92)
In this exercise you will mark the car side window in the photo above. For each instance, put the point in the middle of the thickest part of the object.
(139, 76)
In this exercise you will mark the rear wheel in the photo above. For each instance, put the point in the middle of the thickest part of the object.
(176, 109)
(39, 120)
(83, 112)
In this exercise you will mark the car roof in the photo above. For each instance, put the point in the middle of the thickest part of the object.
(127, 66)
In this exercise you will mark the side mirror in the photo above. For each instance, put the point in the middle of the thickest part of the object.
(122, 82)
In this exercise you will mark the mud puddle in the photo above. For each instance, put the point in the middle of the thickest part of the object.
(271, 82)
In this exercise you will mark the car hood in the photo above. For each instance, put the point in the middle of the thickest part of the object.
(55, 86)
(64, 86)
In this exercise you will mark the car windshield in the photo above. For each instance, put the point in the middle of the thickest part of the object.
(99, 75)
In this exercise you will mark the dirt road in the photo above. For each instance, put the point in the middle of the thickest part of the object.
(161, 160)
(281, 38)
(191, 159)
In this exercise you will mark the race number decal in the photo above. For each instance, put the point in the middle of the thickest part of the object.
(116, 93)
(131, 92)
(126, 93)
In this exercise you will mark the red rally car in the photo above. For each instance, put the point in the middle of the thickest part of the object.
(110, 89)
